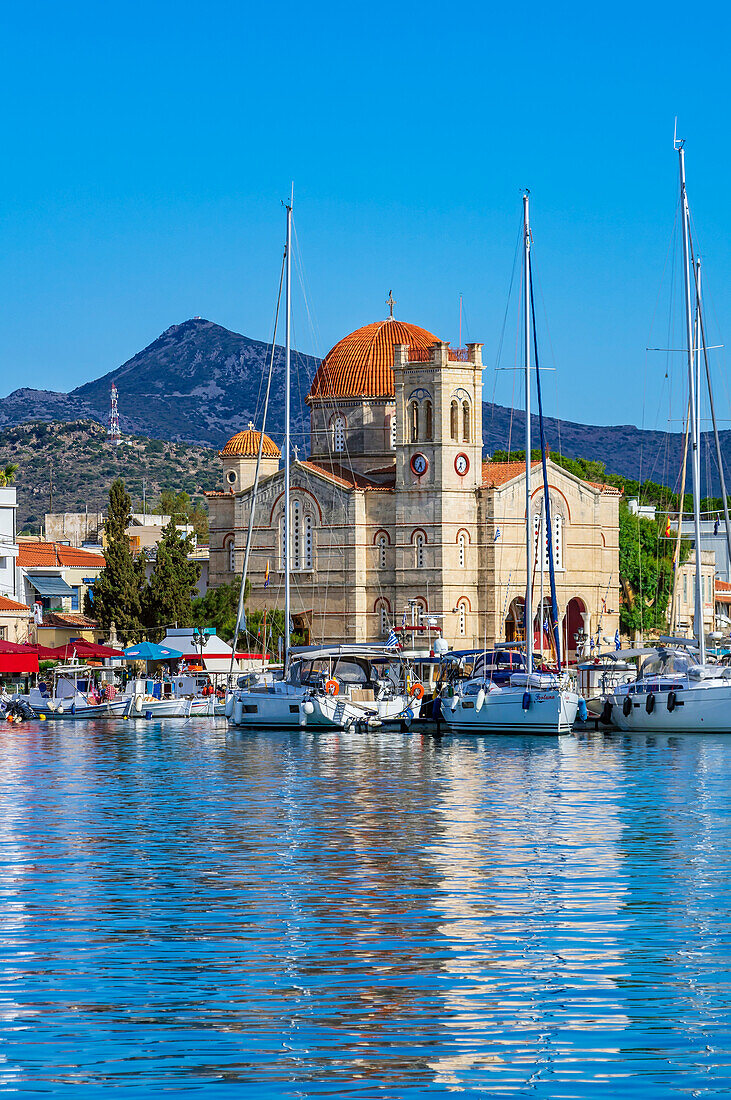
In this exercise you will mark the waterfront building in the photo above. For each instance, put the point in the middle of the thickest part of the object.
(55, 577)
(396, 520)
(685, 594)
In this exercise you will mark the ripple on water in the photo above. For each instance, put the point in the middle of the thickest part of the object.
(183, 906)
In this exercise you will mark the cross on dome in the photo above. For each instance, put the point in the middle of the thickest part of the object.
(390, 302)
(252, 426)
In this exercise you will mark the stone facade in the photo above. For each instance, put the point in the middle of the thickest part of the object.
(396, 519)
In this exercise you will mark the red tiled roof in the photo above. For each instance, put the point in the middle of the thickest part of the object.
(69, 619)
(610, 490)
(55, 554)
(500, 473)
(361, 364)
(6, 604)
(723, 592)
(342, 476)
(247, 444)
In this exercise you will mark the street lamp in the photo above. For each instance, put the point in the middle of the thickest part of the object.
(200, 641)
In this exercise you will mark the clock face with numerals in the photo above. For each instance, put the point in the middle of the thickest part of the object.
(461, 464)
(419, 463)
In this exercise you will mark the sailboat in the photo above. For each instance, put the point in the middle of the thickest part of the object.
(325, 687)
(530, 701)
(676, 689)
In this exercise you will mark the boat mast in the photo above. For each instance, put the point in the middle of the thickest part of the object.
(528, 525)
(287, 447)
(694, 400)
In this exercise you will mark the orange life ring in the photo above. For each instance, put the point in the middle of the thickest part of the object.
(417, 691)
(332, 687)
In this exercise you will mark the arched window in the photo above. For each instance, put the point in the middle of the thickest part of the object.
(462, 627)
(307, 542)
(296, 535)
(383, 614)
(382, 542)
(414, 421)
(466, 422)
(558, 541)
(338, 429)
(393, 431)
(282, 544)
(428, 420)
(454, 420)
(554, 544)
(462, 548)
(231, 547)
(419, 551)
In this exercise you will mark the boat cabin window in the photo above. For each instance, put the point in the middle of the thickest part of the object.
(667, 664)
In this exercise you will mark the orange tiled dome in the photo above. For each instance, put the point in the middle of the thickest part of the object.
(361, 365)
(246, 445)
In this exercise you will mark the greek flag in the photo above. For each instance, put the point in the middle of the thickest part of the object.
(497, 534)
(617, 643)
(392, 642)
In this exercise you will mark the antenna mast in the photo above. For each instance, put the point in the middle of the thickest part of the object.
(115, 436)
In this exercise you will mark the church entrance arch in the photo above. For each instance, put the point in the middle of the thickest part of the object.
(573, 623)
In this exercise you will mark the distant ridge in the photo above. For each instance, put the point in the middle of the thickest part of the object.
(200, 383)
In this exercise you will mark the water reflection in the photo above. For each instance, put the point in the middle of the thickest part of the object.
(383, 915)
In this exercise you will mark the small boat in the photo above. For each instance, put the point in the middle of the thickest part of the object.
(74, 696)
(331, 687)
(177, 697)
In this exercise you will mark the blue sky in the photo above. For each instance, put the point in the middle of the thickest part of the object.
(147, 146)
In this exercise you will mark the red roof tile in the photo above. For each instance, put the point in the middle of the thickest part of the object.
(6, 604)
(340, 475)
(361, 364)
(495, 474)
(56, 554)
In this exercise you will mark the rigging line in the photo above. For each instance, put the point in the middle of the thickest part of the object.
(546, 494)
(255, 487)
(553, 359)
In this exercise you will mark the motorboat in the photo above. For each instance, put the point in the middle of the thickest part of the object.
(601, 675)
(174, 697)
(330, 687)
(74, 694)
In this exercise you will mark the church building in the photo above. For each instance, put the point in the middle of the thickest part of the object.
(396, 521)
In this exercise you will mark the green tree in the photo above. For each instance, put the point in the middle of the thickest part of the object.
(646, 571)
(219, 607)
(169, 596)
(8, 472)
(117, 589)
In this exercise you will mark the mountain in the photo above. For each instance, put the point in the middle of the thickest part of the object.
(200, 383)
(74, 464)
(197, 382)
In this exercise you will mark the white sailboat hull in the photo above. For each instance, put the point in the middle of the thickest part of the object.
(551, 711)
(700, 708)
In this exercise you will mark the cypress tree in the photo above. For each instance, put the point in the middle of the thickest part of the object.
(117, 588)
(169, 597)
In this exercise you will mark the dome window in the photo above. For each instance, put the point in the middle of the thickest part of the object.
(338, 432)
(231, 477)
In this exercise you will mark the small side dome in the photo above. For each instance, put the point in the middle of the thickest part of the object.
(246, 445)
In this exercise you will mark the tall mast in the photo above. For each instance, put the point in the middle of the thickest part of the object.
(528, 525)
(287, 447)
(694, 401)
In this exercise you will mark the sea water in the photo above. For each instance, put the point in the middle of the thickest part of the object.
(190, 909)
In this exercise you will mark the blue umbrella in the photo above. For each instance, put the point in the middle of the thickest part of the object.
(148, 651)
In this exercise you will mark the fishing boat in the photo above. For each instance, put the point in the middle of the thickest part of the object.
(332, 687)
(73, 695)
(529, 700)
(677, 687)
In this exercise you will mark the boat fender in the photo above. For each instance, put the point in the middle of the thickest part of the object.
(606, 715)
(138, 703)
(308, 706)
(41, 717)
(59, 709)
(51, 707)
(583, 710)
(480, 699)
(238, 712)
(650, 703)
(627, 706)
(417, 691)
(526, 700)
(332, 687)
(73, 708)
(453, 702)
(672, 701)
(229, 708)
(148, 715)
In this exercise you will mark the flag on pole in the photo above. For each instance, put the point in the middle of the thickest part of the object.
(392, 642)
(266, 574)
(617, 643)
(497, 534)
(403, 621)
(667, 528)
